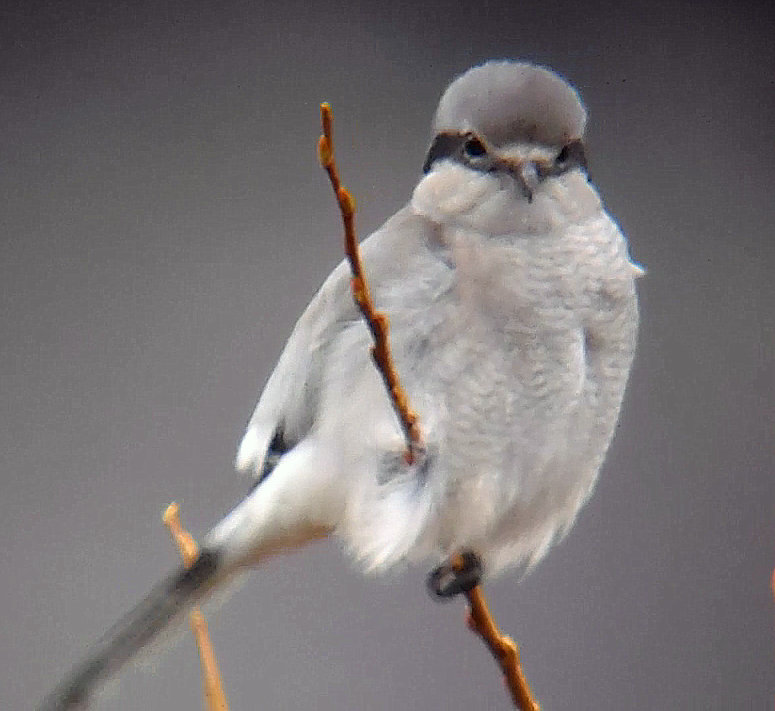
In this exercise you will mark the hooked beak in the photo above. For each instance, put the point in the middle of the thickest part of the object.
(525, 172)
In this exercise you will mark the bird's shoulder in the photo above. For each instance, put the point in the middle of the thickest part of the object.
(288, 405)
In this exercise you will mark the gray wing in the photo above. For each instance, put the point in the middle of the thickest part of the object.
(288, 406)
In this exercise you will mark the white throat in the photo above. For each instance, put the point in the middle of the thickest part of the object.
(491, 203)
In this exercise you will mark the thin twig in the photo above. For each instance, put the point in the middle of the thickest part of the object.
(502, 648)
(376, 321)
(215, 698)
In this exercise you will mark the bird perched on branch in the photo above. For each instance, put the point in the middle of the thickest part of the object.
(513, 317)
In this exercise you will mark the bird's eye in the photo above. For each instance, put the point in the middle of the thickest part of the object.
(474, 148)
(562, 156)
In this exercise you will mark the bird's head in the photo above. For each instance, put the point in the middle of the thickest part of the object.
(519, 125)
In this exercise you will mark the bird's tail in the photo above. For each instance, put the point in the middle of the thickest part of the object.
(291, 507)
(136, 630)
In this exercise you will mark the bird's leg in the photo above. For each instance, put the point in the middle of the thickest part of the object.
(460, 574)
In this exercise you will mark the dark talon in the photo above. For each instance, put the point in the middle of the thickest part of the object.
(459, 575)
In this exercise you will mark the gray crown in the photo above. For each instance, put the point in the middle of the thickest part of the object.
(510, 102)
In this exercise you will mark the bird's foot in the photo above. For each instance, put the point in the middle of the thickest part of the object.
(459, 574)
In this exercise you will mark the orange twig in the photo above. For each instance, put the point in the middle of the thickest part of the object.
(376, 321)
(502, 648)
(189, 549)
(215, 698)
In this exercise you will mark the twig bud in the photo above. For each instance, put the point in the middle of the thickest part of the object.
(324, 152)
(346, 202)
(325, 118)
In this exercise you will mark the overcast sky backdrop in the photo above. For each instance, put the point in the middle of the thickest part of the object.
(163, 222)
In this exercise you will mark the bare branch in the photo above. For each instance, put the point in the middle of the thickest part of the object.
(502, 647)
(215, 698)
(376, 321)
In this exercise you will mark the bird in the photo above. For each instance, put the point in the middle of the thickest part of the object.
(513, 313)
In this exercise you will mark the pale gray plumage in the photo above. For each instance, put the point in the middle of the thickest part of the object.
(513, 318)
(510, 101)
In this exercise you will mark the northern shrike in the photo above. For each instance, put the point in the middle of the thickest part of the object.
(513, 318)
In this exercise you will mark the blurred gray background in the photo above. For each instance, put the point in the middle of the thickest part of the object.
(163, 221)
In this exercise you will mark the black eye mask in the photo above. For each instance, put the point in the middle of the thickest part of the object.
(469, 150)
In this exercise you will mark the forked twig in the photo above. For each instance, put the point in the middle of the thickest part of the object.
(215, 698)
(502, 647)
(376, 321)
